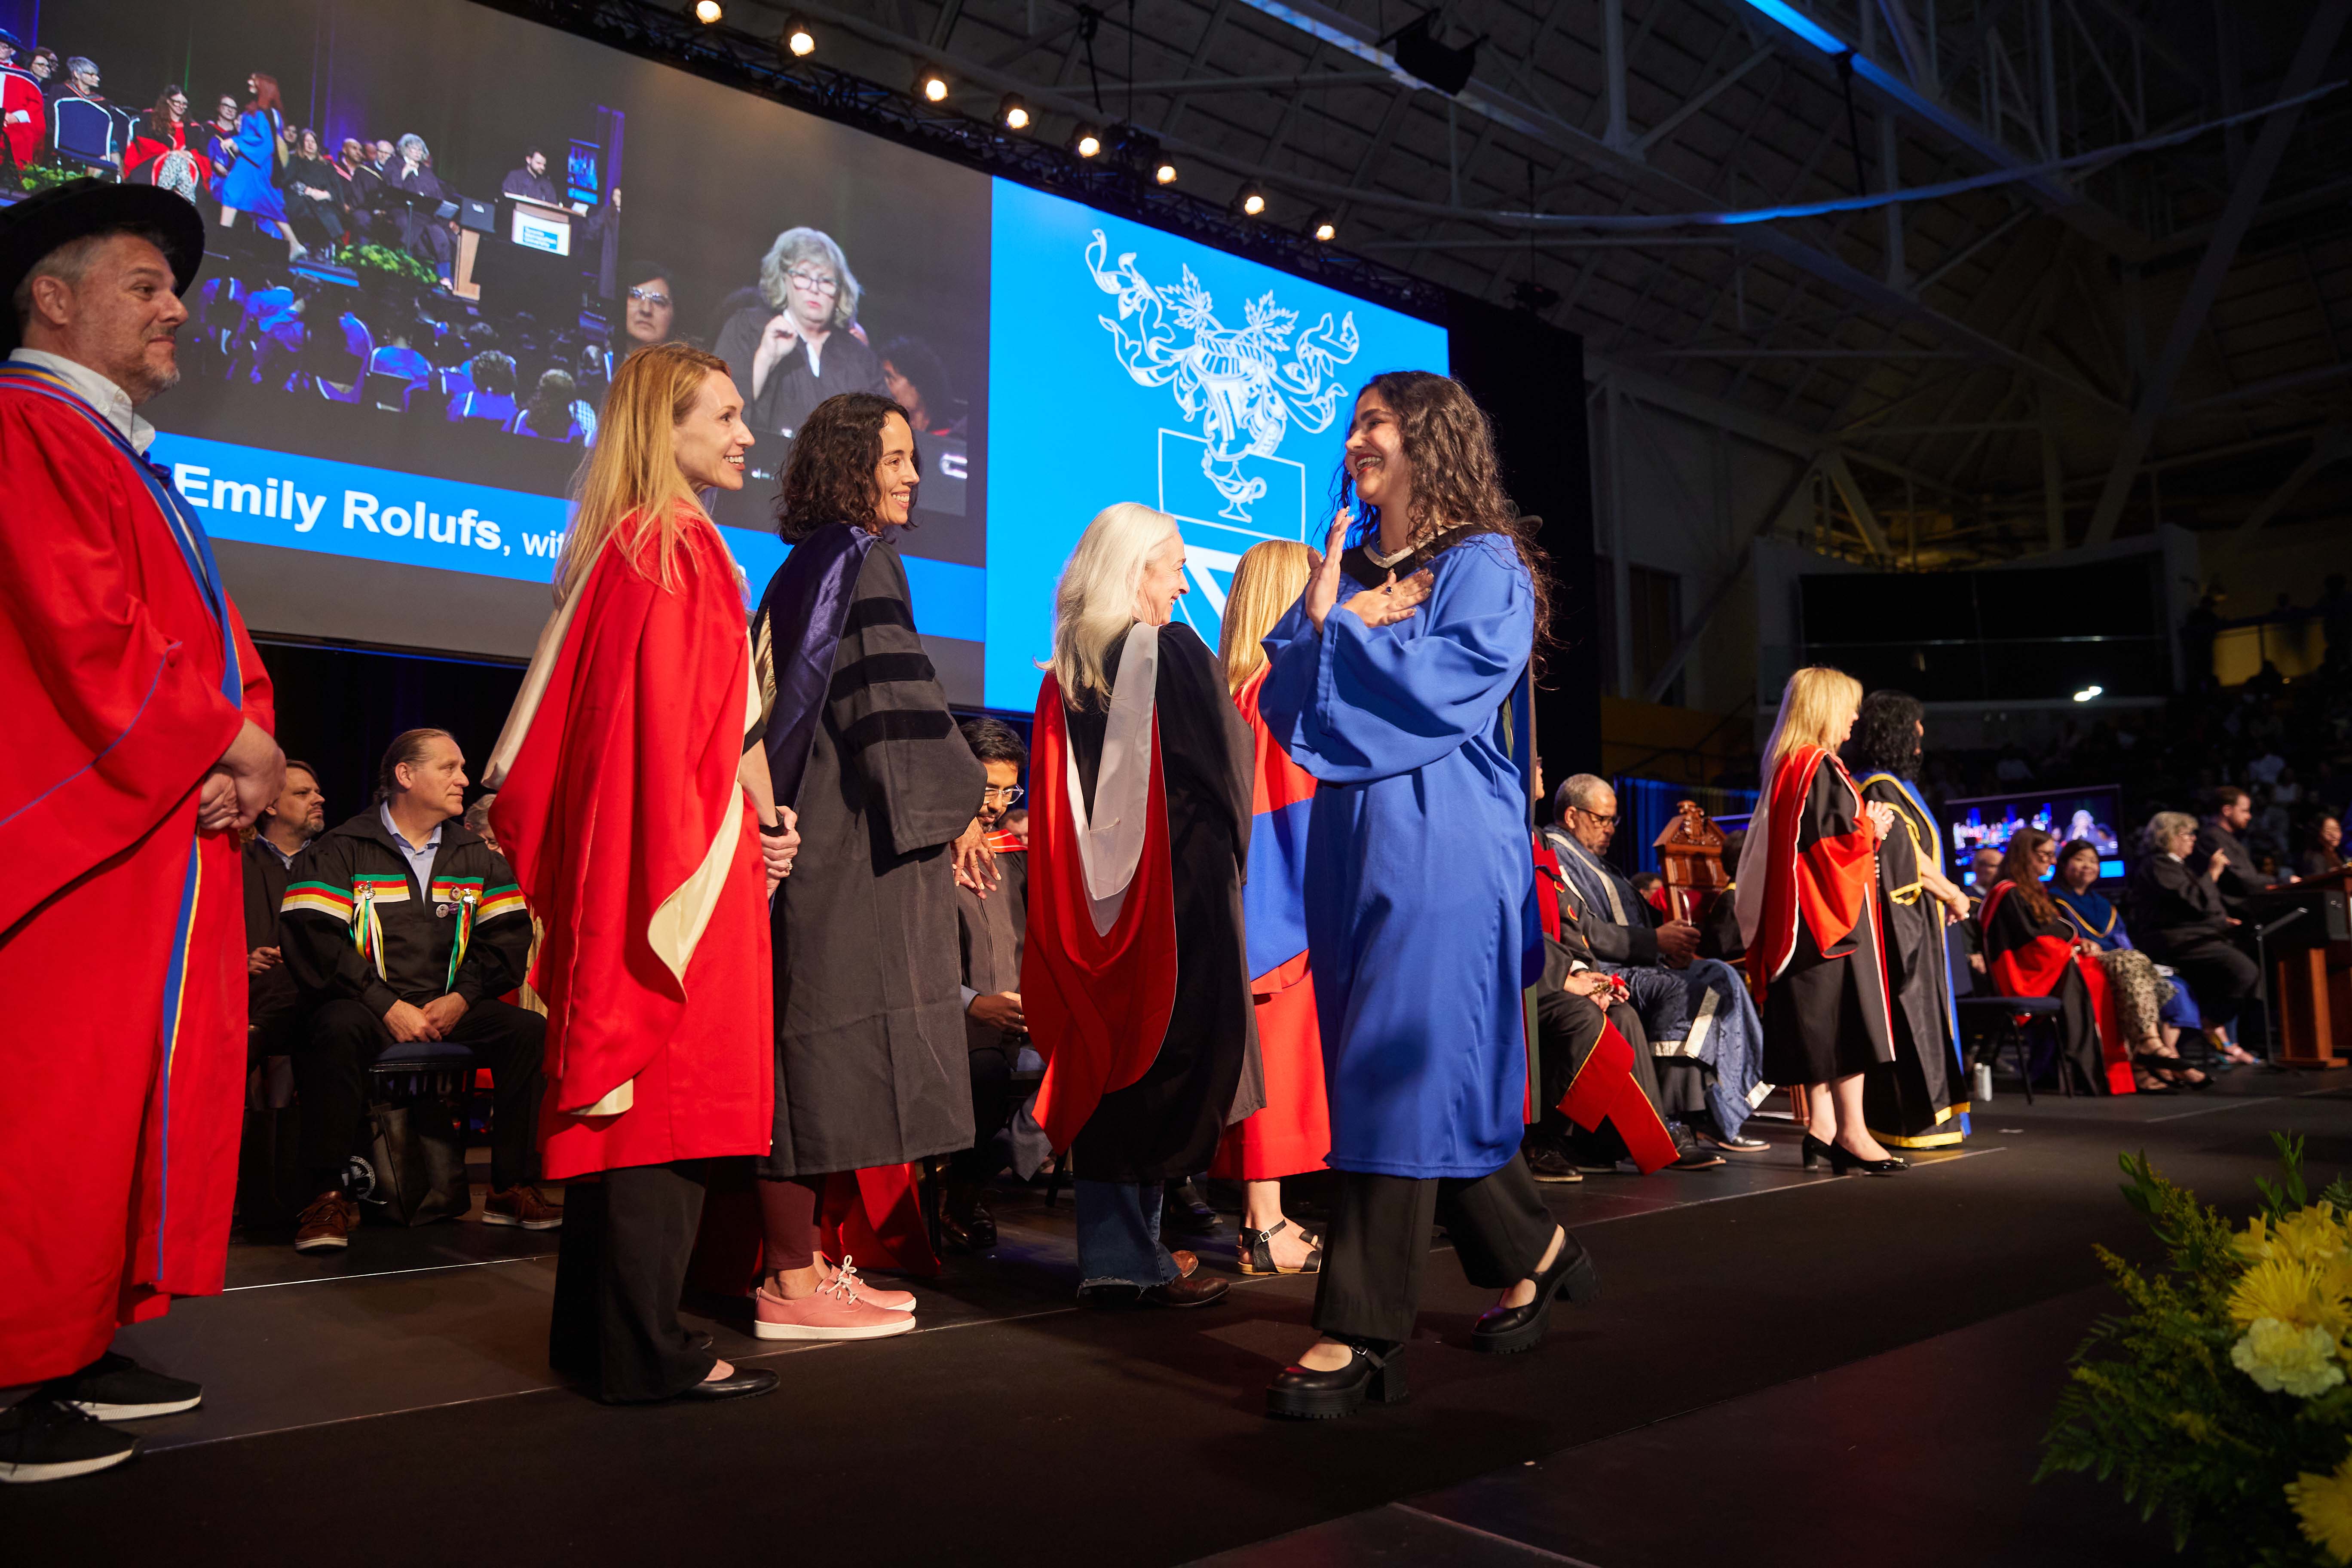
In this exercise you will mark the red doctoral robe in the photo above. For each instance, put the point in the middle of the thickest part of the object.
(125, 673)
(2030, 957)
(619, 808)
(23, 114)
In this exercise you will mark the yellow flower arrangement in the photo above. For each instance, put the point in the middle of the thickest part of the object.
(2323, 1507)
(2284, 1359)
(2307, 1295)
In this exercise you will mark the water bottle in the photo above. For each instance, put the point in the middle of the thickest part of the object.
(1983, 1086)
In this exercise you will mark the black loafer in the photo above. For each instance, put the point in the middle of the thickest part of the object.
(1186, 1213)
(1300, 1393)
(1507, 1330)
(746, 1382)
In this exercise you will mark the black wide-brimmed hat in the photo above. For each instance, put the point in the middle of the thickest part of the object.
(62, 213)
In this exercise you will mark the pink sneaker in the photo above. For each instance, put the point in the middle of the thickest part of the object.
(835, 1312)
(867, 1291)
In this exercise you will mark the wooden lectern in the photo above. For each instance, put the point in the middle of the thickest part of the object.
(2310, 962)
(534, 226)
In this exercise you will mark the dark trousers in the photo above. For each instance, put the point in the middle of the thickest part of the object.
(991, 1108)
(346, 1038)
(627, 1239)
(2218, 972)
(1379, 1237)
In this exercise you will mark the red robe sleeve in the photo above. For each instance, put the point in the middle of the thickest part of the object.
(1837, 864)
(600, 821)
(110, 662)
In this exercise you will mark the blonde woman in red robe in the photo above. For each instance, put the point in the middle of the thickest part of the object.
(1293, 1133)
(1808, 901)
(645, 836)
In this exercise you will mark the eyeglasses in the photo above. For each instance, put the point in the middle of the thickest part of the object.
(652, 296)
(815, 282)
(1608, 821)
(1008, 793)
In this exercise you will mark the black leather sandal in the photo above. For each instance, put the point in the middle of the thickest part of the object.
(1507, 1330)
(1258, 1251)
(1301, 1393)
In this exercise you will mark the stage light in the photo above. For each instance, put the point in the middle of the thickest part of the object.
(2088, 692)
(1531, 295)
(1250, 202)
(1085, 141)
(931, 86)
(1011, 113)
(798, 40)
(1324, 227)
(707, 13)
(1164, 171)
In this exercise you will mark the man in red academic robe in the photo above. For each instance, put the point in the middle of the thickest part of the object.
(140, 720)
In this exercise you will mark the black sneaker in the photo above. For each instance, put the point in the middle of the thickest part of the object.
(1551, 1165)
(116, 1388)
(1690, 1154)
(44, 1440)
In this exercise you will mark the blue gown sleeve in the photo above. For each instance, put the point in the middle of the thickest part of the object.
(1359, 703)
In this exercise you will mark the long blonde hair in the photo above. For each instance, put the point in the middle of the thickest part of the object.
(1094, 604)
(1813, 703)
(629, 489)
(1268, 581)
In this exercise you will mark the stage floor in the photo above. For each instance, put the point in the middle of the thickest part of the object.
(1781, 1369)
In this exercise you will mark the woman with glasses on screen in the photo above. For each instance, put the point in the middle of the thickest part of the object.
(797, 347)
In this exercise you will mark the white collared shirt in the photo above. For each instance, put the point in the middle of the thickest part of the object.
(420, 857)
(100, 394)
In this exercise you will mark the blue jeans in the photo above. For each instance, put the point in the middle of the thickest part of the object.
(1118, 1234)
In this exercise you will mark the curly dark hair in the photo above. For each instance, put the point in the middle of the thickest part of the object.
(830, 478)
(1457, 480)
(1886, 734)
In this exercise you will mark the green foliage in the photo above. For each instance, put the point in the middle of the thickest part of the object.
(388, 262)
(2154, 1404)
(38, 178)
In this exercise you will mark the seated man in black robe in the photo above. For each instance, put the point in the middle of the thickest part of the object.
(1700, 1020)
(989, 931)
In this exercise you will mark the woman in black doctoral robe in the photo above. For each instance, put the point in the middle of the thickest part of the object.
(870, 1053)
(1919, 1099)
(1135, 978)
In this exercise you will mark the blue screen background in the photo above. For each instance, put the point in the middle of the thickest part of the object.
(1263, 356)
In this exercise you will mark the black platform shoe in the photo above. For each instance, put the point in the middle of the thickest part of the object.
(1371, 1372)
(1507, 1330)
(1258, 1251)
(1842, 1160)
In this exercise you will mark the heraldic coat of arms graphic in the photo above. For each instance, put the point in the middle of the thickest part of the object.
(1245, 385)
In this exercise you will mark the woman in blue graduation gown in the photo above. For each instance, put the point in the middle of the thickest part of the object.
(1400, 682)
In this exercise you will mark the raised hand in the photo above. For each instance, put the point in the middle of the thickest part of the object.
(1323, 586)
(1392, 601)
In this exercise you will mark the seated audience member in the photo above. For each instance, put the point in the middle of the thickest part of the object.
(650, 298)
(1984, 870)
(2145, 1000)
(24, 108)
(2174, 909)
(2031, 951)
(1016, 823)
(989, 932)
(2229, 812)
(313, 194)
(402, 926)
(273, 1002)
(2323, 849)
(491, 397)
(532, 182)
(1719, 931)
(551, 413)
(1700, 1019)
(919, 382)
(1573, 999)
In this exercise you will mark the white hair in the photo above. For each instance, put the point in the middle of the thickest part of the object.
(412, 139)
(797, 246)
(2164, 825)
(1094, 604)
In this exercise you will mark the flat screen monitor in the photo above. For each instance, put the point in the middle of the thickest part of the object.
(381, 462)
(2093, 812)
